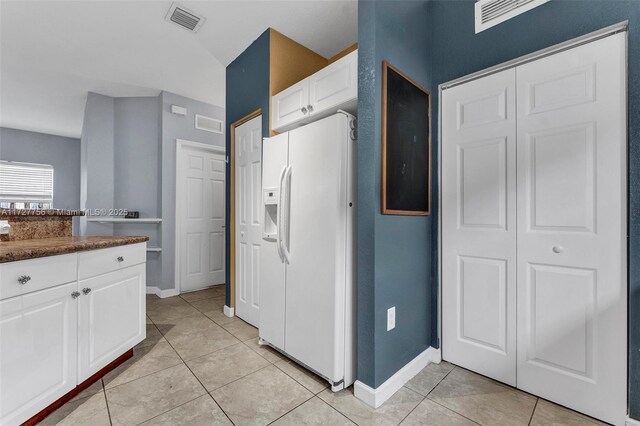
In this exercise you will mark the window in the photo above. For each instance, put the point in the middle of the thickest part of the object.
(26, 185)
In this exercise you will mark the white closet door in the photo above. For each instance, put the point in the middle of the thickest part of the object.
(572, 311)
(478, 225)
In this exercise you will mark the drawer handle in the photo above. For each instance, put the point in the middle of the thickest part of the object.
(120, 259)
(75, 294)
(24, 279)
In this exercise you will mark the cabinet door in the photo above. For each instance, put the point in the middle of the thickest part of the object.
(290, 105)
(335, 85)
(38, 351)
(111, 317)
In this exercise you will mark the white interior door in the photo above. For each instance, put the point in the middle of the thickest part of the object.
(572, 308)
(248, 178)
(478, 225)
(201, 206)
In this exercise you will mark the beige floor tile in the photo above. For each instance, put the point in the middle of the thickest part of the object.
(166, 312)
(209, 305)
(241, 329)
(391, 412)
(91, 390)
(91, 411)
(219, 317)
(429, 377)
(260, 397)
(202, 411)
(145, 361)
(547, 413)
(265, 351)
(483, 400)
(306, 378)
(431, 413)
(215, 291)
(140, 400)
(153, 337)
(226, 365)
(313, 412)
(201, 342)
(154, 302)
(187, 325)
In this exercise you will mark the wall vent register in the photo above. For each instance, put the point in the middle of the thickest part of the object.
(209, 124)
(489, 13)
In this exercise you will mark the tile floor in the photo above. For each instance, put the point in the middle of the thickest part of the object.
(199, 367)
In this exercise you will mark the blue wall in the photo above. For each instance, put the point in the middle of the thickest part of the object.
(247, 90)
(61, 152)
(455, 50)
(394, 252)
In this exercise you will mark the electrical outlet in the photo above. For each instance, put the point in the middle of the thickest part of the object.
(391, 318)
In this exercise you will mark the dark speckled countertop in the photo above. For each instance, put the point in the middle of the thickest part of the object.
(30, 249)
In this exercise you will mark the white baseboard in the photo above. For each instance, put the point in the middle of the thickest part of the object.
(162, 293)
(376, 397)
(230, 312)
(632, 422)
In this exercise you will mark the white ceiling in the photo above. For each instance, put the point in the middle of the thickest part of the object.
(53, 52)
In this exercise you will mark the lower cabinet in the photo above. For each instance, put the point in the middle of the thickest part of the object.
(54, 338)
(111, 317)
(38, 351)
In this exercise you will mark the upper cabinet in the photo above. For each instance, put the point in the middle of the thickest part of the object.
(317, 96)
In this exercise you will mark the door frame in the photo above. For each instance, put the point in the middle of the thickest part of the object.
(569, 44)
(180, 145)
(232, 207)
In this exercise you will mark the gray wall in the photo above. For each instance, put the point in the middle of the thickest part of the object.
(97, 164)
(61, 152)
(136, 171)
(178, 127)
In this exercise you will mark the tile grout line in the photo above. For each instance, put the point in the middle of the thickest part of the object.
(414, 408)
(533, 411)
(165, 412)
(106, 401)
(443, 406)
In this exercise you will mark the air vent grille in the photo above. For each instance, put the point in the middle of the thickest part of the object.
(209, 124)
(492, 12)
(184, 17)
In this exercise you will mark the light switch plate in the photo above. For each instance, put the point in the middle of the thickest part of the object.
(391, 318)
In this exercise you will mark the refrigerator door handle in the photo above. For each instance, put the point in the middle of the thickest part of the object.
(279, 215)
(287, 218)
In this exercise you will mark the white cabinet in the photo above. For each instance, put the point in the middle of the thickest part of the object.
(322, 94)
(38, 351)
(56, 331)
(111, 317)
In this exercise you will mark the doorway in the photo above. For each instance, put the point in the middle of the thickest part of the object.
(534, 290)
(246, 213)
(200, 213)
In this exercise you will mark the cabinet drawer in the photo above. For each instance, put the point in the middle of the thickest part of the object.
(97, 262)
(42, 273)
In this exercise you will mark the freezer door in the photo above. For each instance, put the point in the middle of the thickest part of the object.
(316, 245)
(272, 268)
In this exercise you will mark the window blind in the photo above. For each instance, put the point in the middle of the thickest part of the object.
(26, 183)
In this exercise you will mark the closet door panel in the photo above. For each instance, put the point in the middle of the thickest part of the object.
(478, 225)
(571, 222)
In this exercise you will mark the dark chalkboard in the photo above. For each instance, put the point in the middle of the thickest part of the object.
(405, 144)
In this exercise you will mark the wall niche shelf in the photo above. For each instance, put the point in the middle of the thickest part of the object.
(123, 220)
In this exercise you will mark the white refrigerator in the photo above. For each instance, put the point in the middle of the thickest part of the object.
(307, 277)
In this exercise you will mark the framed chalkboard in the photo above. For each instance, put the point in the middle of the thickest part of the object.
(406, 144)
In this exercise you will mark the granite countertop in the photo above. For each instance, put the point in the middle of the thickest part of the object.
(51, 212)
(30, 249)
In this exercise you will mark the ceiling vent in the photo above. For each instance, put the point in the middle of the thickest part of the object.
(185, 18)
(209, 124)
(493, 12)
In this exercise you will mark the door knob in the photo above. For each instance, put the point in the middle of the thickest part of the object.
(557, 249)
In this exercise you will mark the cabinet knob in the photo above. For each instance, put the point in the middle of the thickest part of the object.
(24, 279)
(310, 108)
(304, 110)
(75, 294)
(86, 290)
(120, 259)
(557, 249)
